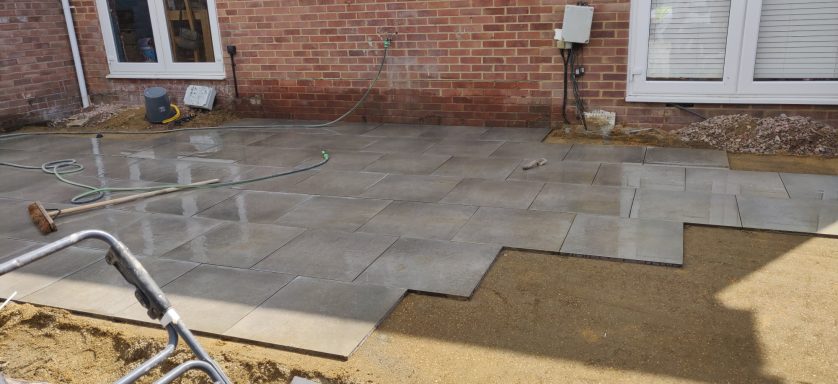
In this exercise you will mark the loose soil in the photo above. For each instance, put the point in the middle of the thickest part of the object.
(747, 307)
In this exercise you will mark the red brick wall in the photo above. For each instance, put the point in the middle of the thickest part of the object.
(37, 77)
(458, 62)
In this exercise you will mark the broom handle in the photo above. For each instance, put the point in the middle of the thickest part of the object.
(91, 206)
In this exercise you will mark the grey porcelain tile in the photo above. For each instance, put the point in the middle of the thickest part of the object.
(319, 315)
(332, 255)
(254, 207)
(591, 199)
(45, 271)
(109, 220)
(494, 193)
(101, 289)
(575, 172)
(51, 190)
(687, 157)
(318, 142)
(442, 267)
(606, 153)
(14, 247)
(517, 228)
(186, 203)
(274, 184)
(15, 180)
(648, 241)
(746, 183)
(686, 207)
(412, 188)
(810, 216)
(817, 187)
(483, 168)
(265, 156)
(212, 299)
(400, 145)
(242, 137)
(173, 150)
(337, 213)
(114, 167)
(156, 234)
(412, 164)
(552, 152)
(516, 134)
(421, 220)
(337, 183)
(352, 128)
(453, 132)
(466, 148)
(641, 176)
(397, 130)
(235, 244)
(343, 160)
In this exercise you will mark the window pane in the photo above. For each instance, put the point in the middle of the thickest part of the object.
(798, 40)
(687, 40)
(133, 36)
(189, 30)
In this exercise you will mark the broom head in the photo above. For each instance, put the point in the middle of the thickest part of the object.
(41, 218)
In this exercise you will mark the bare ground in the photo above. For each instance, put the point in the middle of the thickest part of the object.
(747, 307)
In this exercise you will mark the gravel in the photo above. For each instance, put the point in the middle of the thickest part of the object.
(796, 135)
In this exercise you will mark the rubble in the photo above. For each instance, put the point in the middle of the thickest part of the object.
(796, 135)
(95, 114)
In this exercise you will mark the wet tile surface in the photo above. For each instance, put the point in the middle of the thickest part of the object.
(816, 187)
(411, 164)
(516, 134)
(810, 216)
(332, 255)
(687, 157)
(574, 172)
(591, 199)
(494, 193)
(745, 183)
(235, 244)
(319, 315)
(186, 203)
(543, 231)
(686, 207)
(640, 176)
(442, 267)
(429, 189)
(255, 207)
(551, 152)
(464, 148)
(400, 145)
(420, 220)
(606, 153)
(649, 241)
(337, 213)
(337, 183)
(45, 271)
(156, 234)
(491, 168)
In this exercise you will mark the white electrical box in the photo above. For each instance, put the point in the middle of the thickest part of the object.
(576, 27)
(199, 97)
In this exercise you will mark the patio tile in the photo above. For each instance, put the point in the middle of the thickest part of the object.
(687, 157)
(465, 148)
(99, 288)
(242, 137)
(52, 190)
(516, 134)
(185, 203)
(494, 193)
(254, 207)
(552, 152)
(110, 220)
(606, 153)
(343, 160)
(397, 130)
(649, 241)
(212, 299)
(156, 234)
(686, 207)
(442, 267)
(337, 183)
(15, 180)
(453, 132)
(542, 231)
(817, 187)
(319, 315)
(348, 128)
(318, 142)
(46, 271)
(745, 183)
(266, 156)
(483, 168)
(114, 167)
(14, 247)
(641, 176)
(590, 199)
(810, 216)
(275, 184)
(173, 150)
(575, 172)
(234, 244)
(421, 220)
(412, 188)
(337, 213)
(412, 164)
(332, 255)
(400, 145)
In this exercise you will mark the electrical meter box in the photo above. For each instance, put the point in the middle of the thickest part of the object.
(199, 97)
(576, 27)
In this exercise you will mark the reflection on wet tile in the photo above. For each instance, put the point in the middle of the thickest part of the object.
(585, 199)
(411, 164)
(649, 241)
(817, 187)
(337, 183)
(109, 220)
(173, 150)
(276, 183)
(186, 203)
(641, 176)
(337, 213)
(723, 181)
(517, 228)
(494, 193)
(235, 244)
(789, 214)
(156, 234)
(686, 207)
(421, 220)
(254, 207)
(412, 188)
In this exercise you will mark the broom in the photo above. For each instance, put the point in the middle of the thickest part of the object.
(43, 219)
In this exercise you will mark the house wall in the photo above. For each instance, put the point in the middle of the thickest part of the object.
(36, 65)
(457, 62)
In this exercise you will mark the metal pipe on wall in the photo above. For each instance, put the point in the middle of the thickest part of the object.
(74, 46)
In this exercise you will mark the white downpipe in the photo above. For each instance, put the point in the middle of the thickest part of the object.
(74, 46)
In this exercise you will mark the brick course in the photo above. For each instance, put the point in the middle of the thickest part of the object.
(456, 62)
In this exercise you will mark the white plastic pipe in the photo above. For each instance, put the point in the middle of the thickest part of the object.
(74, 46)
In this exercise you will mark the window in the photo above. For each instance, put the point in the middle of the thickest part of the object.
(734, 51)
(161, 39)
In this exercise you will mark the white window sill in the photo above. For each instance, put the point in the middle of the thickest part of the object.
(738, 99)
(168, 76)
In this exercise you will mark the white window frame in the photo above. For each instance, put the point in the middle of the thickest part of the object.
(165, 67)
(737, 85)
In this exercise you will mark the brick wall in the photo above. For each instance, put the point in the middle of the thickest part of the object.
(456, 62)
(36, 65)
